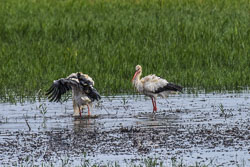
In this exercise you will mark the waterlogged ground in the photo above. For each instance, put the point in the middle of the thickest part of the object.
(210, 129)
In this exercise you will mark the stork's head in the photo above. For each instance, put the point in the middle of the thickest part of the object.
(79, 74)
(138, 71)
(138, 68)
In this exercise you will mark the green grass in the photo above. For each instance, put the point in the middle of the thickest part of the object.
(202, 44)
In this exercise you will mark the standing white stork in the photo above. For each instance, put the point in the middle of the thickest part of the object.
(83, 92)
(153, 86)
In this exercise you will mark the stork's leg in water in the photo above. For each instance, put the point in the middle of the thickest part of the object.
(153, 104)
(88, 110)
(80, 112)
(155, 108)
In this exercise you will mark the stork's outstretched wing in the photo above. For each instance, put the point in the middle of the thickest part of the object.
(59, 87)
(82, 82)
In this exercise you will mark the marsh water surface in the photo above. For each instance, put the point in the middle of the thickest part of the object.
(201, 128)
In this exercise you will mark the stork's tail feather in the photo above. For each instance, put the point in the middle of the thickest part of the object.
(170, 87)
(175, 87)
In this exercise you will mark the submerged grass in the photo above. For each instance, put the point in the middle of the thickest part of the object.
(196, 43)
(84, 161)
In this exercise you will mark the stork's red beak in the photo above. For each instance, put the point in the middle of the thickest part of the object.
(135, 75)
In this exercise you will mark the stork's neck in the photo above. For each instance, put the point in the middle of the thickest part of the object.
(137, 82)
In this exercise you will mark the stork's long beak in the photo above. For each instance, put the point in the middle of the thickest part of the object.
(135, 75)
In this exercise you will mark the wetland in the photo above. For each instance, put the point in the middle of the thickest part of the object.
(201, 45)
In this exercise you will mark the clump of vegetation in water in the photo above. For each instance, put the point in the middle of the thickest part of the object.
(197, 44)
(225, 112)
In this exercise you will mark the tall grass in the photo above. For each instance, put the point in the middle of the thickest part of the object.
(201, 44)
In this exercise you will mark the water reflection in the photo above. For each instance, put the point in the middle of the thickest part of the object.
(83, 122)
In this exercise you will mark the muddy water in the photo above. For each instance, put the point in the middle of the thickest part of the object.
(204, 128)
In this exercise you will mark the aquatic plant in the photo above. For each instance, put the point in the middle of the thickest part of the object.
(42, 108)
(26, 121)
(225, 112)
(124, 100)
(221, 108)
(85, 162)
(147, 162)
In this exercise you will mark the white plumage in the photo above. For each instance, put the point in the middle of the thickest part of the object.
(153, 86)
(83, 92)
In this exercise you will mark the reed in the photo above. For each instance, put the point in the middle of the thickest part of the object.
(201, 44)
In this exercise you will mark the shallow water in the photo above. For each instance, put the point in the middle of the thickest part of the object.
(203, 128)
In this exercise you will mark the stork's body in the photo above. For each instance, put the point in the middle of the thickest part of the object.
(153, 86)
(83, 92)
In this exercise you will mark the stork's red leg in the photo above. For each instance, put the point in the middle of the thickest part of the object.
(155, 108)
(88, 110)
(153, 103)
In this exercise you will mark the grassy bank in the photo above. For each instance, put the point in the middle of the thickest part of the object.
(196, 43)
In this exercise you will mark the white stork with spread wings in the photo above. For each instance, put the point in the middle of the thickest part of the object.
(83, 92)
(153, 86)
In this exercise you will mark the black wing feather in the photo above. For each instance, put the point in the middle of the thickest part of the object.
(93, 94)
(60, 87)
(89, 90)
(53, 93)
(169, 87)
(50, 90)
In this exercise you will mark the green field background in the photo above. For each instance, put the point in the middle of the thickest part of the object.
(199, 44)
